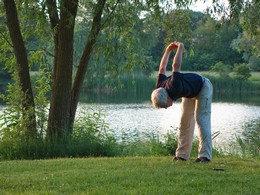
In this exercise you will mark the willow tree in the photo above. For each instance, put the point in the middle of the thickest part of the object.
(61, 16)
(22, 68)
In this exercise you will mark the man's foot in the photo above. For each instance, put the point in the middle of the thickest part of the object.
(202, 160)
(178, 158)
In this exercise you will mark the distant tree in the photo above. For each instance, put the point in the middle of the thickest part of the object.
(254, 63)
(222, 69)
(212, 44)
(242, 72)
(246, 15)
(248, 47)
(227, 32)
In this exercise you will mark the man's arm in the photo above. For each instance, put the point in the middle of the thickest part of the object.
(177, 60)
(165, 58)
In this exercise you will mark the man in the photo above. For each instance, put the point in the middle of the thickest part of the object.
(196, 93)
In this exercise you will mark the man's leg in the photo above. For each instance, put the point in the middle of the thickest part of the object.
(186, 129)
(203, 120)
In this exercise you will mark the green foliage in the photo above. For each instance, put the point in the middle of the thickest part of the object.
(92, 132)
(33, 26)
(230, 89)
(212, 44)
(171, 141)
(250, 48)
(249, 142)
(250, 18)
(91, 137)
(178, 26)
(13, 119)
(133, 87)
(222, 69)
(42, 90)
(123, 46)
(248, 41)
(242, 72)
(13, 128)
(141, 144)
(254, 63)
(5, 78)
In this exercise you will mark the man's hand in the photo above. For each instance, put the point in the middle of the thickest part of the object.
(164, 61)
(174, 45)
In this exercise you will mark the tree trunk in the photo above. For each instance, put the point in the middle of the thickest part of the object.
(58, 123)
(22, 67)
(83, 65)
(64, 97)
(54, 19)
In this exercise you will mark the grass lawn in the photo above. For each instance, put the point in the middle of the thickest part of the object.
(130, 175)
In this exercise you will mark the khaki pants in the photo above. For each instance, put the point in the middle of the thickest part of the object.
(197, 110)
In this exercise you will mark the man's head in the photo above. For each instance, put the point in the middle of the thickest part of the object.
(160, 98)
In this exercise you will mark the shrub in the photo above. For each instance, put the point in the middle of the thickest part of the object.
(222, 69)
(242, 72)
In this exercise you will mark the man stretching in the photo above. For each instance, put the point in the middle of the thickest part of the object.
(196, 93)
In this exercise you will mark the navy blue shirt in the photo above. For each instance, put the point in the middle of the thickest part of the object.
(180, 84)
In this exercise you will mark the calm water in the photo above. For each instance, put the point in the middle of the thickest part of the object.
(227, 118)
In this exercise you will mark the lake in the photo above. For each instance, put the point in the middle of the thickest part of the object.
(227, 118)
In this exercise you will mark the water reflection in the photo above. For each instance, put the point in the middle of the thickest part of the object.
(227, 118)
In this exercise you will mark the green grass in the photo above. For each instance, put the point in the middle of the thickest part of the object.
(130, 175)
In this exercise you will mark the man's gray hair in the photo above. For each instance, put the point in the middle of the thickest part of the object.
(159, 97)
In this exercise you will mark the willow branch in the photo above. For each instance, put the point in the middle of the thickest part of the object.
(5, 38)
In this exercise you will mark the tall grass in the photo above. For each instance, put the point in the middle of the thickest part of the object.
(92, 136)
(233, 90)
(130, 89)
(249, 142)
(137, 88)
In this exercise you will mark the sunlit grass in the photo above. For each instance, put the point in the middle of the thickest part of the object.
(130, 175)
